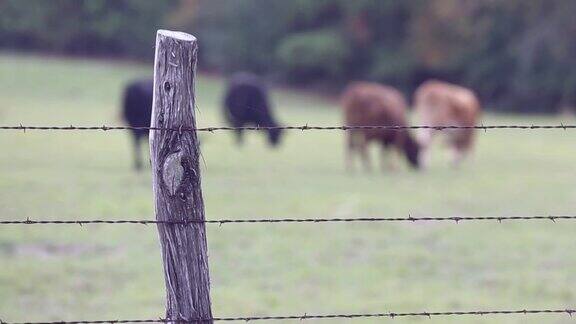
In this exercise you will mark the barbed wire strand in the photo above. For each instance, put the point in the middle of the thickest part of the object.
(411, 219)
(327, 316)
(300, 128)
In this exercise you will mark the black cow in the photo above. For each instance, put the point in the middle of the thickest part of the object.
(136, 111)
(246, 103)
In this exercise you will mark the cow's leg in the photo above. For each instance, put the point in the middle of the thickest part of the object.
(350, 151)
(387, 159)
(461, 146)
(364, 154)
(137, 152)
(239, 136)
(424, 137)
(238, 130)
(457, 157)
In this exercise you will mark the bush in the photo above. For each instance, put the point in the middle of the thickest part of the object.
(517, 54)
(310, 56)
(393, 67)
(239, 35)
(88, 27)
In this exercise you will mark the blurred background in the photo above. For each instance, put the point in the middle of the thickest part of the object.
(518, 55)
(68, 62)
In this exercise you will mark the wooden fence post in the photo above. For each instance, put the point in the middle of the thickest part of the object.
(176, 179)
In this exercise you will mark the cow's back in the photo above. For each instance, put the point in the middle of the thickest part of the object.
(439, 103)
(370, 104)
(246, 101)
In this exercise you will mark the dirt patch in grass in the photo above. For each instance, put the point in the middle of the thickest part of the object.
(46, 250)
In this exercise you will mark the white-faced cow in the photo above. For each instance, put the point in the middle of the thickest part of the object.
(246, 103)
(371, 104)
(443, 104)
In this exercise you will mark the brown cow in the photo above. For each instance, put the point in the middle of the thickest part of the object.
(371, 104)
(442, 104)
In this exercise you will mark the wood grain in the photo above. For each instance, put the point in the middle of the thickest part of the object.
(176, 178)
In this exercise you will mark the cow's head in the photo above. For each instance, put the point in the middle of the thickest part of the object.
(274, 136)
(412, 151)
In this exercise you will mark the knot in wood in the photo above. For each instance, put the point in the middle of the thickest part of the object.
(174, 172)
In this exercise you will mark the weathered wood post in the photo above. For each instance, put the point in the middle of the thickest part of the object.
(176, 179)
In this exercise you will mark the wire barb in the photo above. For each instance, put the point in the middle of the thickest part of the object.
(221, 222)
(390, 315)
(305, 127)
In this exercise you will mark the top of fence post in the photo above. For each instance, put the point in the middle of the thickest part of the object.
(176, 179)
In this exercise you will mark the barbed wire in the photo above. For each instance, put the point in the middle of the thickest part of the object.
(327, 316)
(455, 219)
(300, 128)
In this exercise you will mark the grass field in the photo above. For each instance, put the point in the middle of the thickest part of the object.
(101, 272)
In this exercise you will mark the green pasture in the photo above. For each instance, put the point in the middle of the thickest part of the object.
(104, 272)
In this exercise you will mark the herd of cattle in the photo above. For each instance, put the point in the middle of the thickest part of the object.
(436, 103)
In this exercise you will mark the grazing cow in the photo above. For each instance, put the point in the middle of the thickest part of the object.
(443, 104)
(136, 112)
(371, 104)
(246, 103)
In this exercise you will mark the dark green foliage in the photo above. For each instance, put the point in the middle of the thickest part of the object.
(89, 27)
(239, 34)
(313, 55)
(518, 55)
